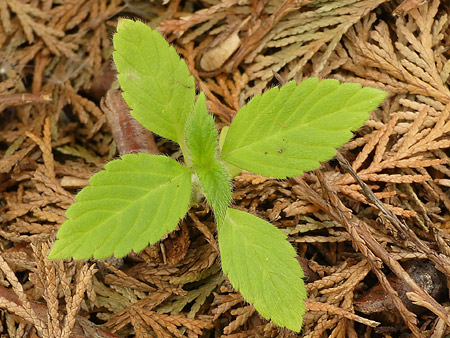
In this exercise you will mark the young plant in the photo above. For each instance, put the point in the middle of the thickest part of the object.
(140, 198)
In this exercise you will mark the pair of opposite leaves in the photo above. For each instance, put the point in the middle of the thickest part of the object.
(139, 198)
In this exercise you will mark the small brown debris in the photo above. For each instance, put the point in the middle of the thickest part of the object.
(422, 272)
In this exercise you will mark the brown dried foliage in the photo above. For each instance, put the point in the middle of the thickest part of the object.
(359, 224)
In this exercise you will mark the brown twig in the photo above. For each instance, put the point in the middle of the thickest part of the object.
(440, 260)
(15, 100)
(367, 245)
(373, 245)
(129, 134)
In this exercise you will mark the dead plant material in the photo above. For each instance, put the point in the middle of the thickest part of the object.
(130, 136)
(14, 100)
(423, 273)
(408, 5)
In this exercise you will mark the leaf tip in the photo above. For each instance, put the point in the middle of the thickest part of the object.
(124, 23)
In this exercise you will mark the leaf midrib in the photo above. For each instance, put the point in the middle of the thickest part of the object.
(292, 128)
(113, 213)
(169, 105)
(261, 261)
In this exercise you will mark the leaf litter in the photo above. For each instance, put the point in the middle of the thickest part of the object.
(371, 228)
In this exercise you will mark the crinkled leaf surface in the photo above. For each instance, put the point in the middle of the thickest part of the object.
(156, 83)
(135, 201)
(287, 131)
(262, 265)
(201, 140)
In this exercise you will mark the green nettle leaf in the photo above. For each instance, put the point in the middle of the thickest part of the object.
(261, 264)
(133, 202)
(287, 131)
(202, 144)
(156, 83)
(139, 198)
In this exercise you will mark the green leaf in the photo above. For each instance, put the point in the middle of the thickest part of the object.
(202, 144)
(233, 171)
(287, 131)
(156, 83)
(262, 265)
(133, 202)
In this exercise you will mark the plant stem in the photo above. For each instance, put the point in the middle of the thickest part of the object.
(184, 150)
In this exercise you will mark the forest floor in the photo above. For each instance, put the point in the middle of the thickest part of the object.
(371, 227)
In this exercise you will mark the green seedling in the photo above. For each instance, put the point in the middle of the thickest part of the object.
(138, 199)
